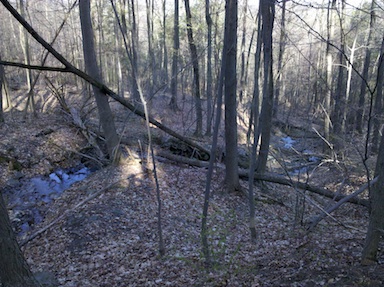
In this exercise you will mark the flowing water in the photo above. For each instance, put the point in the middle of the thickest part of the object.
(29, 199)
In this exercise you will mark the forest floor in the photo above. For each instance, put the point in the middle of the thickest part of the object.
(104, 230)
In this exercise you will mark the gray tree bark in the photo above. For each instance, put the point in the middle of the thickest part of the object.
(365, 72)
(328, 95)
(27, 58)
(282, 43)
(152, 81)
(14, 270)
(165, 49)
(134, 50)
(243, 83)
(376, 218)
(105, 113)
(230, 97)
(254, 121)
(2, 74)
(208, 20)
(378, 108)
(175, 57)
(196, 73)
(267, 9)
(340, 95)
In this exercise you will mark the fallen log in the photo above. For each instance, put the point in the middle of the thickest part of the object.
(328, 211)
(274, 178)
(302, 185)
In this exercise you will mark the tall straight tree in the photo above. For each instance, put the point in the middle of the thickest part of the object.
(328, 55)
(175, 57)
(339, 97)
(105, 113)
(254, 121)
(242, 52)
(365, 72)
(196, 73)
(208, 19)
(27, 58)
(134, 50)
(230, 89)
(164, 46)
(378, 108)
(153, 77)
(282, 44)
(267, 9)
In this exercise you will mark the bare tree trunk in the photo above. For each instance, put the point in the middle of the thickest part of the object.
(378, 108)
(196, 73)
(2, 75)
(282, 43)
(254, 117)
(365, 73)
(175, 57)
(230, 95)
(376, 218)
(27, 58)
(152, 81)
(340, 106)
(349, 79)
(118, 45)
(14, 270)
(267, 9)
(105, 113)
(242, 56)
(134, 47)
(165, 49)
(212, 159)
(328, 95)
(208, 19)
(254, 121)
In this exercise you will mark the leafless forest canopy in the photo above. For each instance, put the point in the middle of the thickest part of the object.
(240, 140)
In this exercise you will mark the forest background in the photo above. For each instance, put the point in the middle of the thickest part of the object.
(300, 88)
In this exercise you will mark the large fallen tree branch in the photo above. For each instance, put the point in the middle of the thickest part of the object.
(328, 211)
(69, 68)
(305, 186)
(352, 198)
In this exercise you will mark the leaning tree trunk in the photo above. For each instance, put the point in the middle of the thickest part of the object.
(14, 270)
(105, 113)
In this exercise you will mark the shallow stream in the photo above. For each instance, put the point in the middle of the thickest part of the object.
(28, 199)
